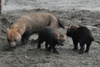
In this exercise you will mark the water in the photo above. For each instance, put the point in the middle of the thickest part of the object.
(9, 5)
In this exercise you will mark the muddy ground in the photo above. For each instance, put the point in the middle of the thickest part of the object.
(30, 56)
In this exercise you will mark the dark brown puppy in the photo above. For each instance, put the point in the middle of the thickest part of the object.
(51, 38)
(30, 24)
(80, 35)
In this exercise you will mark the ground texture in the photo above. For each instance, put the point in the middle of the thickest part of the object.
(30, 56)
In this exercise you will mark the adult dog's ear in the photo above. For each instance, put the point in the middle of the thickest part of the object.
(19, 30)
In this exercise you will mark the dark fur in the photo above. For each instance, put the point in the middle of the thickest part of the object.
(47, 34)
(81, 35)
(60, 23)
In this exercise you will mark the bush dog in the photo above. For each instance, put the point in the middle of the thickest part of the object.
(81, 35)
(51, 38)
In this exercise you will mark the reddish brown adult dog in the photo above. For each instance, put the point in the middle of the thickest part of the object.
(30, 24)
(81, 35)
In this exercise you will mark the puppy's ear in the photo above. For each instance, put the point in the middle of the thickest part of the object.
(68, 27)
(56, 35)
(77, 26)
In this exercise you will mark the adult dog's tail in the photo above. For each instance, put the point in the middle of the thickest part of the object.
(60, 23)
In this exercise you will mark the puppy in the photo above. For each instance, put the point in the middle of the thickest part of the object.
(51, 38)
(81, 35)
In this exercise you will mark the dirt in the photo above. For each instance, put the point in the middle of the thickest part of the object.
(30, 56)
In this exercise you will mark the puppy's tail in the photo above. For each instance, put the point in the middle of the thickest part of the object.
(60, 23)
